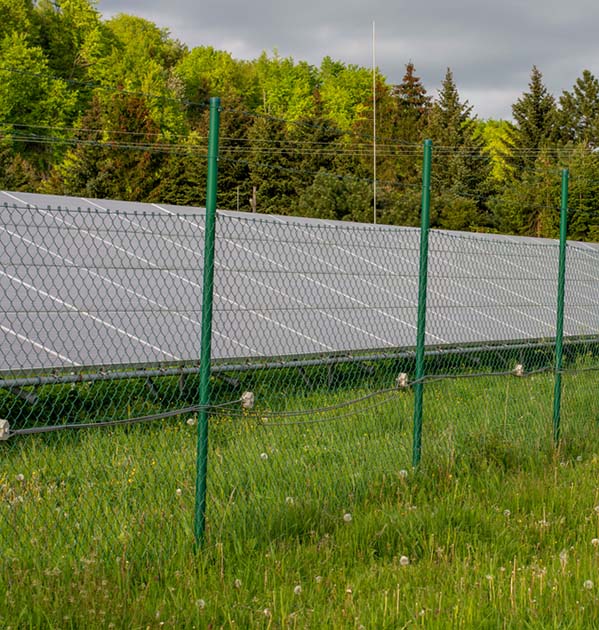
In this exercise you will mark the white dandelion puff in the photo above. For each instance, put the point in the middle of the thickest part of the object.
(263, 455)
(347, 517)
(298, 589)
(588, 584)
(404, 561)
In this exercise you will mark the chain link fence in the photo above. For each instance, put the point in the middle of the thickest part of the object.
(313, 358)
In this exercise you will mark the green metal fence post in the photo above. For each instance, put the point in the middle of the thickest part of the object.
(559, 329)
(206, 343)
(422, 282)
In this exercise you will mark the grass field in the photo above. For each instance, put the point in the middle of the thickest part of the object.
(315, 521)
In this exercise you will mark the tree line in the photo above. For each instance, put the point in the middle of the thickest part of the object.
(119, 109)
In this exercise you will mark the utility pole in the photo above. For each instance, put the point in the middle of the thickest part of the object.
(374, 122)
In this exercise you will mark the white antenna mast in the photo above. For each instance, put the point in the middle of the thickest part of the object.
(374, 119)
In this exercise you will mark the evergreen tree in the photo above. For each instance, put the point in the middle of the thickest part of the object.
(579, 111)
(411, 95)
(234, 168)
(529, 206)
(583, 200)
(16, 173)
(272, 164)
(337, 198)
(535, 117)
(181, 178)
(462, 164)
(119, 163)
(414, 106)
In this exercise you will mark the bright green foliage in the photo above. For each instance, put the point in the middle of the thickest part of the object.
(28, 93)
(140, 58)
(301, 135)
(207, 72)
(579, 111)
(16, 17)
(31, 100)
(68, 33)
(346, 92)
(495, 136)
(286, 88)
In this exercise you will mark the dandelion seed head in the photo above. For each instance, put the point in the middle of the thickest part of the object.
(289, 500)
(318, 579)
(200, 603)
(403, 473)
(596, 508)
(20, 477)
(178, 492)
(588, 584)
(191, 421)
(298, 589)
(347, 517)
(507, 513)
(595, 542)
(263, 455)
(237, 583)
(579, 458)
(404, 561)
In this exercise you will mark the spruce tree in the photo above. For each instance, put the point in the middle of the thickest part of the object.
(579, 111)
(535, 127)
(462, 164)
(414, 105)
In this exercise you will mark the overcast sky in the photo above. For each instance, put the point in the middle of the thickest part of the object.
(490, 46)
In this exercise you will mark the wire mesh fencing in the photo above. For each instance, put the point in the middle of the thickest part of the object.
(101, 314)
(313, 362)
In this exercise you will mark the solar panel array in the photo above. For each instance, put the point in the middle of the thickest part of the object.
(92, 283)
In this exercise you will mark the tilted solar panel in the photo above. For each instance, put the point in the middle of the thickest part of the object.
(96, 283)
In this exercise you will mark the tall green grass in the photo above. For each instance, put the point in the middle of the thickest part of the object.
(315, 521)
